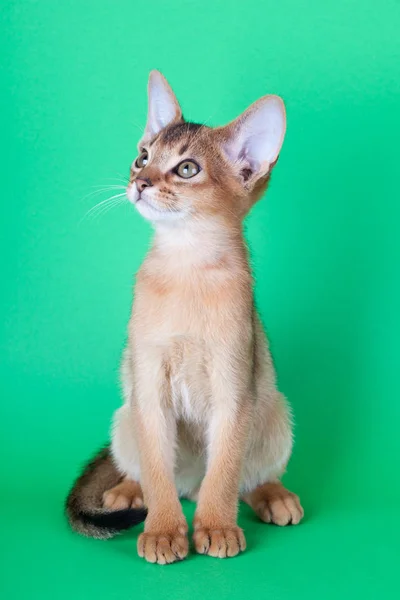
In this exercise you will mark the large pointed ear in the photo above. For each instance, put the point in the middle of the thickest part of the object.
(163, 106)
(252, 142)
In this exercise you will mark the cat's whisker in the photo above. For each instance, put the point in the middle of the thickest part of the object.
(117, 180)
(103, 208)
(123, 177)
(141, 129)
(108, 207)
(102, 189)
(92, 211)
(115, 198)
(103, 211)
(109, 185)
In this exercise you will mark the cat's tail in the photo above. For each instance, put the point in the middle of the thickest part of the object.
(84, 505)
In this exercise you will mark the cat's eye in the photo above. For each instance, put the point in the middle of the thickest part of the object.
(142, 159)
(187, 169)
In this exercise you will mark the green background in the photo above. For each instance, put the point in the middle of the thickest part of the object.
(325, 247)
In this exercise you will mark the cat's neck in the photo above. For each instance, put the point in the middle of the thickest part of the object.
(201, 243)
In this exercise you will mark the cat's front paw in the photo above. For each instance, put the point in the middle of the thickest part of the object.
(221, 543)
(163, 548)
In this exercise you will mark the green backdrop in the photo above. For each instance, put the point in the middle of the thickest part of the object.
(325, 247)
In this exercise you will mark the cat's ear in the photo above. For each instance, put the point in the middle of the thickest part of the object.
(163, 106)
(252, 142)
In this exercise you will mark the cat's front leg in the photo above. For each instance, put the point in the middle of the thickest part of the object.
(165, 534)
(216, 531)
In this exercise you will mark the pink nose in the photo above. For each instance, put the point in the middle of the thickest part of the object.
(143, 183)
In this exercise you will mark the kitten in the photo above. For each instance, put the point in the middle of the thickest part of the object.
(202, 417)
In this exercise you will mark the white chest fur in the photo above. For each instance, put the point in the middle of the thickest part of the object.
(183, 403)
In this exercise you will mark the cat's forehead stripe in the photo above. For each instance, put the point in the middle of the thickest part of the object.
(175, 132)
(183, 149)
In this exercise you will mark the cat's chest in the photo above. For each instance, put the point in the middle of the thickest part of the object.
(184, 306)
(187, 367)
(182, 400)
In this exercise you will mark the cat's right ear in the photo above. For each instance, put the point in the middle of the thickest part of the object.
(252, 142)
(163, 106)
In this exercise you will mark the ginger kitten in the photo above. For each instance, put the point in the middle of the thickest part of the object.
(202, 417)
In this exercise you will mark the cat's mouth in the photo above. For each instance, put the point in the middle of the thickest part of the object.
(150, 204)
(149, 208)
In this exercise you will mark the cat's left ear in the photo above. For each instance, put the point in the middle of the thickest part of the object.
(252, 142)
(163, 106)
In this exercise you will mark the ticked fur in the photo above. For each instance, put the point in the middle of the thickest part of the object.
(202, 416)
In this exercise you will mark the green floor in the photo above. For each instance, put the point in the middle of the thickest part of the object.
(346, 547)
(316, 560)
(325, 248)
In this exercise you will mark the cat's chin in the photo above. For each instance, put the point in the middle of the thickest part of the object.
(154, 214)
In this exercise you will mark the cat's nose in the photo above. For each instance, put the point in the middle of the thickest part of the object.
(142, 183)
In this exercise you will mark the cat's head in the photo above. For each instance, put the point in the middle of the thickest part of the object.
(187, 171)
